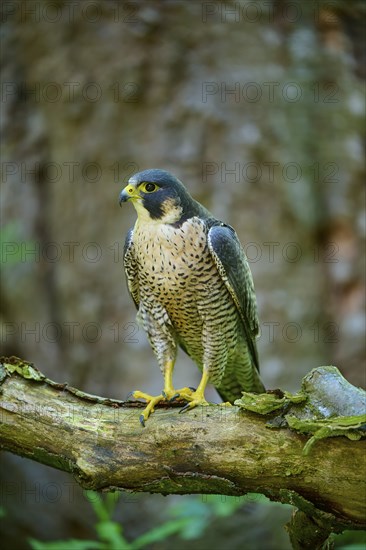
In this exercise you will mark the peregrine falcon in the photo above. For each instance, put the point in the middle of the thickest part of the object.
(192, 286)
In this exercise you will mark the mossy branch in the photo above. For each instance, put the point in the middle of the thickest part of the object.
(213, 450)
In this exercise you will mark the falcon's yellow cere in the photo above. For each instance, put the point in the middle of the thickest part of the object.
(190, 280)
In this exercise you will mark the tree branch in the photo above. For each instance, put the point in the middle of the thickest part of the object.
(214, 450)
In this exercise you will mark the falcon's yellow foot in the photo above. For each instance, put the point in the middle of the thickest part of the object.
(184, 393)
(195, 398)
(151, 400)
(169, 394)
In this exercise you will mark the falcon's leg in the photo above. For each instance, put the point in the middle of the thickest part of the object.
(197, 397)
(169, 392)
(214, 357)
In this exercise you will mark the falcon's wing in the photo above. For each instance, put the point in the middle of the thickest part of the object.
(130, 266)
(234, 269)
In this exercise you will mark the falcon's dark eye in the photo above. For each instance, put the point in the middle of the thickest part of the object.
(149, 187)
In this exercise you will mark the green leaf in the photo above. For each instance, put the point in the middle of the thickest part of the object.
(100, 507)
(160, 533)
(197, 512)
(111, 533)
(71, 544)
(225, 505)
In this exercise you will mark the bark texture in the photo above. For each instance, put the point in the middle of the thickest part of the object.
(213, 450)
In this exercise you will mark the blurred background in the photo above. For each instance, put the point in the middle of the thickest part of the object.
(258, 107)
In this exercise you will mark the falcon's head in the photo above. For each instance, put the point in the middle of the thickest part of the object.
(159, 197)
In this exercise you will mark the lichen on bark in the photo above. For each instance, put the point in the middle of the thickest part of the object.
(326, 406)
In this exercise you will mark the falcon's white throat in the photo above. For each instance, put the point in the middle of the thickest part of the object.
(171, 213)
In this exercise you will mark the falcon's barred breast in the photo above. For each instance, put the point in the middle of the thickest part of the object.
(191, 282)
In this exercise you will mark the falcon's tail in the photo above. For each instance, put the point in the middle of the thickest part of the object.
(237, 380)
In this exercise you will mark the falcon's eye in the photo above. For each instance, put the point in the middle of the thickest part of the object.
(149, 187)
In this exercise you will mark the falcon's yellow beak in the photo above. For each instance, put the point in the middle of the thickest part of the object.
(128, 193)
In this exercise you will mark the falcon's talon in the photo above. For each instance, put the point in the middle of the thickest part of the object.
(172, 394)
(194, 403)
(198, 397)
(185, 408)
(151, 403)
(183, 393)
(175, 396)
